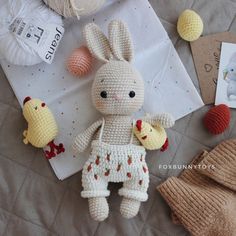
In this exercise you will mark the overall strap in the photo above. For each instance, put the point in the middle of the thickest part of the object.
(132, 133)
(101, 131)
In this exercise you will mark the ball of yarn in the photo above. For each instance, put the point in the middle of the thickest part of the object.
(80, 62)
(217, 119)
(190, 25)
(12, 47)
(71, 8)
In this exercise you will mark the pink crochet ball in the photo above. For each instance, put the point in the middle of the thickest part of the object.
(80, 62)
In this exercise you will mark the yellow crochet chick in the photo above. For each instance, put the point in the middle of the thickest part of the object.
(42, 127)
(150, 137)
(190, 25)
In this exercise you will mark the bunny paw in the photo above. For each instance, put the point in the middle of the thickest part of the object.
(98, 208)
(129, 207)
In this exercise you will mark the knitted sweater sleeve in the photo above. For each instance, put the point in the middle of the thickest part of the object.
(202, 205)
(223, 159)
(166, 120)
(83, 139)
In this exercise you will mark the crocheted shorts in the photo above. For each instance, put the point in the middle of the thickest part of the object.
(116, 163)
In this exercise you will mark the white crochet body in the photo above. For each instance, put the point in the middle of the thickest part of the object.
(117, 130)
(117, 156)
(116, 163)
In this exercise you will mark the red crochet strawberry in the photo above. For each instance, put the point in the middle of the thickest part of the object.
(129, 160)
(141, 158)
(145, 169)
(97, 160)
(108, 157)
(129, 175)
(107, 173)
(89, 167)
(118, 167)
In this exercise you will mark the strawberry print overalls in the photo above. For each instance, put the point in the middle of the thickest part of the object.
(115, 163)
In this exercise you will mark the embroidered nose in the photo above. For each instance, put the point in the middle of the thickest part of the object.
(139, 125)
(117, 97)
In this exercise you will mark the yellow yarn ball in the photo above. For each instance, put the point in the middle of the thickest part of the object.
(190, 25)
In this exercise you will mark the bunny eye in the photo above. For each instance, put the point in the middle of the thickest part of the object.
(132, 94)
(103, 94)
(232, 70)
(43, 104)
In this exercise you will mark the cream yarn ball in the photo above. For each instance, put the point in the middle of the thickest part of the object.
(71, 8)
(12, 47)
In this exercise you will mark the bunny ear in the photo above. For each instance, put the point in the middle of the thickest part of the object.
(120, 41)
(97, 42)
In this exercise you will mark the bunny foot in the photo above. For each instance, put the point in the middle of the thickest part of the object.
(98, 208)
(129, 207)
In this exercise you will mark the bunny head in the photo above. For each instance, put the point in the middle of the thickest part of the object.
(230, 71)
(118, 88)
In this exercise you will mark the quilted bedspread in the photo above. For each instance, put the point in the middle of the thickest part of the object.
(34, 202)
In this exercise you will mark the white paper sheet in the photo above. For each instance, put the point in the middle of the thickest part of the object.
(168, 86)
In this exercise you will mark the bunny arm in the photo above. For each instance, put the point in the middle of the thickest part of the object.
(83, 139)
(166, 120)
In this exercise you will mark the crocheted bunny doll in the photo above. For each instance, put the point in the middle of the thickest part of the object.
(117, 155)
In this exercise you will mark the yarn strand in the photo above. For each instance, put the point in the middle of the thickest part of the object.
(71, 8)
(76, 9)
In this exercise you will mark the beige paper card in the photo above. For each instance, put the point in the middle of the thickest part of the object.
(206, 54)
